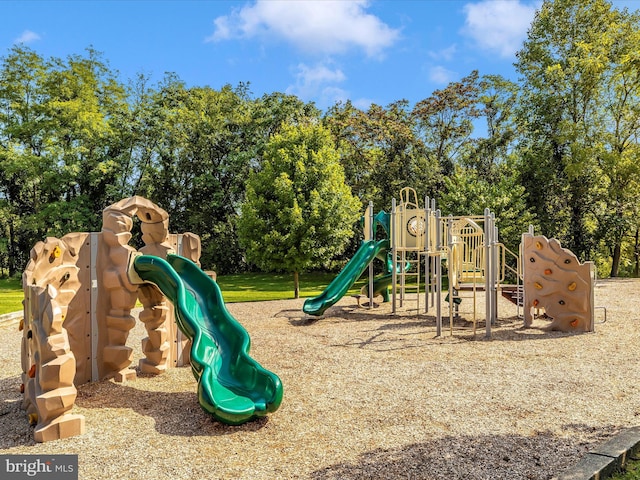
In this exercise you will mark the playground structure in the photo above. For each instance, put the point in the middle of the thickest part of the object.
(417, 241)
(79, 291)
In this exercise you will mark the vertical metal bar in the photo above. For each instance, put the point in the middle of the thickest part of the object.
(95, 376)
(371, 229)
(497, 264)
(487, 270)
(433, 259)
(451, 259)
(438, 272)
(394, 274)
(403, 262)
(427, 239)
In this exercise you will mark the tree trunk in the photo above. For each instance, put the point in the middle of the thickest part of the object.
(11, 248)
(636, 253)
(615, 262)
(296, 285)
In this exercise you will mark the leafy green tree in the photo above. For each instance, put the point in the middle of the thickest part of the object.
(381, 152)
(298, 212)
(84, 99)
(578, 102)
(24, 133)
(445, 120)
(618, 159)
(468, 193)
(496, 102)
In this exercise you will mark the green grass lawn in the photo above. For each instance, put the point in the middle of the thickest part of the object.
(631, 471)
(248, 287)
(10, 295)
(255, 287)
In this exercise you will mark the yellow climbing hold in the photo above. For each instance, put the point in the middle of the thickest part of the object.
(572, 286)
(537, 285)
(539, 245)
(33, 418)
(56, 252)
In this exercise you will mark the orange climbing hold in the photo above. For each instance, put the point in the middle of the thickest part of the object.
(536, 302)
(572, 286)
(539, 245)
(574, 322)
(32, 371)
(548, 271)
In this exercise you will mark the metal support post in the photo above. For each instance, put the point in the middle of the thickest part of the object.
(394, 274)
(371, 237)
(487, 270)
(438, 272)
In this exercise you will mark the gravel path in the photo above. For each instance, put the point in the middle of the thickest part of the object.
(367, 395)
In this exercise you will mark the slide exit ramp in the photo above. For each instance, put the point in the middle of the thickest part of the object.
(365, 254)
(232, 386)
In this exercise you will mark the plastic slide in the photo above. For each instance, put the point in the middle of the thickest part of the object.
(232, 386)
(346, 278)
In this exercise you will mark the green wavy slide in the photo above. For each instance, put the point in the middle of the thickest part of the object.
(367, 251)
(232, 386)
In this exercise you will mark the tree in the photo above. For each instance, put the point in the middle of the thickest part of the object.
(381, 152)
(446, 119)
(578, 114)
(496, 101)
(298, 211)
(468, 193)
(24, 133)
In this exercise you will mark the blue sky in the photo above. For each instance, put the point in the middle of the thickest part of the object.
(320, 50)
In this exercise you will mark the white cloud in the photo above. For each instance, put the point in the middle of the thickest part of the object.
(27, 37)
(441, 75)
(320, 26)
(499, 25)
(445, 53)
(318, 81)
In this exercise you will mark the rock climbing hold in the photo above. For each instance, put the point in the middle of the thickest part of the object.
(561, 302)
(574, 322)
(548, 271)
(55, 253)
(572, 286)
(32, 371)
(537, 285)
(567, 261)
(536, 302)
(532, 260)
(33, 418)
(539, 245)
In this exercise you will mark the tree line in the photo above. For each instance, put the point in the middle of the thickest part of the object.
(557, 148)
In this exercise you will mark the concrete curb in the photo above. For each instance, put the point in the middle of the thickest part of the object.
(606, 459)
(10, 318)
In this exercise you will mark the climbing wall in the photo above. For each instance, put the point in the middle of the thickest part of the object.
(77, 313)
(556, 281)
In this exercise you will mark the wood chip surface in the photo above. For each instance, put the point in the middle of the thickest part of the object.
(368, 395)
